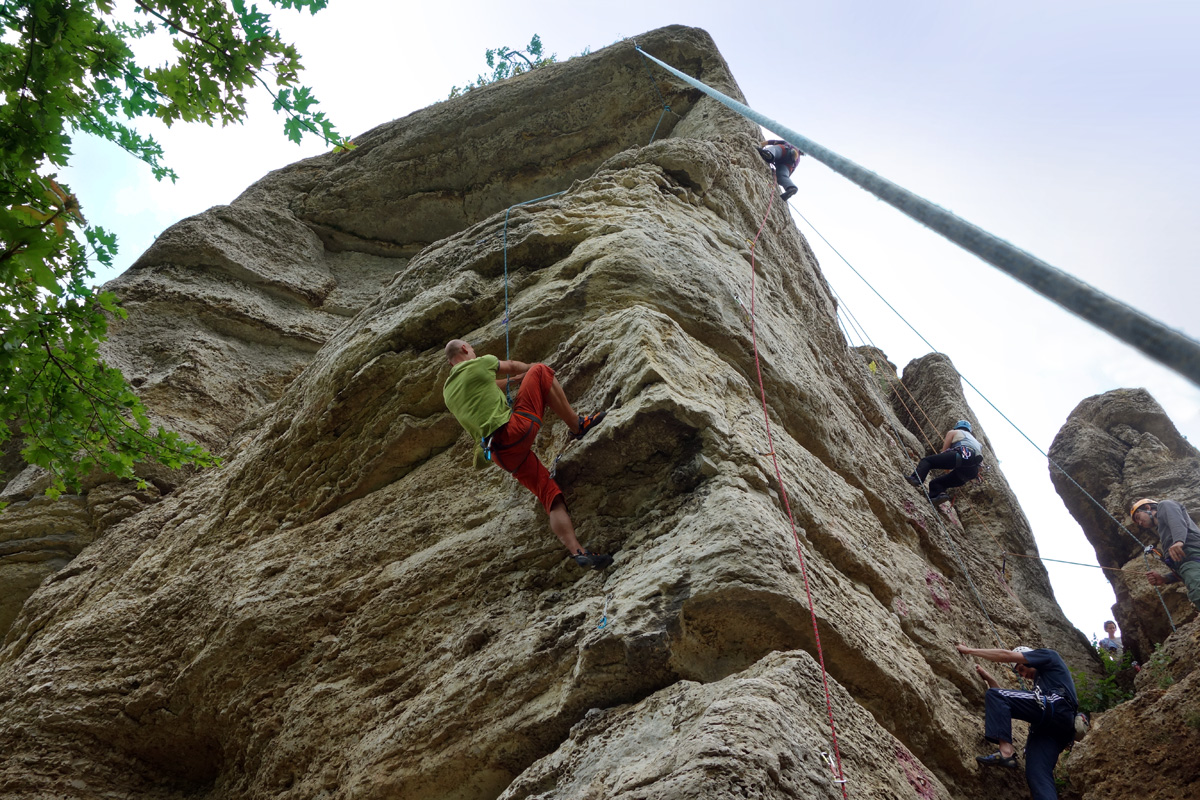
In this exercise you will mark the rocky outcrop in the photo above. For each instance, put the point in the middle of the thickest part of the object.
(226, 308)
(929, 401)
(347, 609)
(35, 541)
(1148, 746)
(41, 536)
(1116, 448)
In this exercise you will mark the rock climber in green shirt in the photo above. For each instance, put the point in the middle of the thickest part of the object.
(475, 397)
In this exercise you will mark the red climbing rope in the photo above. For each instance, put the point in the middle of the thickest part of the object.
(841, 777)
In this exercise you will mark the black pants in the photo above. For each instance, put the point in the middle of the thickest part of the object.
(961, 470)
(1051, 729)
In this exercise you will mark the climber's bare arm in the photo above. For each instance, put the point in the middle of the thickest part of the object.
(999, 656)
(513, 368)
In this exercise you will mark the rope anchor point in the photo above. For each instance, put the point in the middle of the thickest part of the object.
(833, 768)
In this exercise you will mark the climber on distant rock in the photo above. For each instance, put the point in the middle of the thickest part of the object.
(503, 435)
(1049, 709)
(785, 159)
(962, 454)
(1180, 541)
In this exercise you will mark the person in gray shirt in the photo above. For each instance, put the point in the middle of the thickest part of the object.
(1180, 541)
(962, 454)
(1111, 643)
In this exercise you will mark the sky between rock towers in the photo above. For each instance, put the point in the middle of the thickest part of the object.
(1068, 128)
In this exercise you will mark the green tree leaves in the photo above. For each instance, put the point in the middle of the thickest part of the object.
(505, 62)
(67, 66)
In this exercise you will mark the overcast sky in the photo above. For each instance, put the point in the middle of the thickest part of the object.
(1067, 128)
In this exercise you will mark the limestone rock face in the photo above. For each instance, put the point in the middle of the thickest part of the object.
(1118, 447)
(677, 743)
(347, 609)
(226, 308)
(36, 540)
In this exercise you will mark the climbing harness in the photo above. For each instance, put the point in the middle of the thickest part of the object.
(965, 453)
(1169, 562)
(791, 155)
(490, 446)
(840, 777)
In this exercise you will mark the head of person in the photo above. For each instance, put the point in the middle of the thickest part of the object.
(1144, 512)
(1110, 628)
(457, 350)
(962, 425)
(1024, 670)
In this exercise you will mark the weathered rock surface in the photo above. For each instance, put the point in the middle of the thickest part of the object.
(1118, 447)
(37, 539)
(744, 736)
(1150, 745)
(347, 609)
(930, 401)
(227, 307)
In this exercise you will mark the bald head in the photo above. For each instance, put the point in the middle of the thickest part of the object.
(457, 350)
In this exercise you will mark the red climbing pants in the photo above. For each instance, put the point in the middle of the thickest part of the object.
(513, 443)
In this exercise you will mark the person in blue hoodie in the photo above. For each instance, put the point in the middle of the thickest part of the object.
(1049, 708)
(962, 454)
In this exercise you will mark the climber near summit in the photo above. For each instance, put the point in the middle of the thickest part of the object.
(505, 435)
(785, 159)
(1180, 541)
(1049, 709)
(962, 454)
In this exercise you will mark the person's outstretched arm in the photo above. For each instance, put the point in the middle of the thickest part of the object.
(999, 656)
(512, 368)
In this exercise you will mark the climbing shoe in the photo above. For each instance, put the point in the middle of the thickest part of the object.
(766, 155)
(589, 560)
(938, 499)
(996, 759)
(586, 423)
(913, 479)
(791, 190)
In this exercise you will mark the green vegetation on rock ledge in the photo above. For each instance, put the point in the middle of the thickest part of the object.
(1100, 694)
(503, 63)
